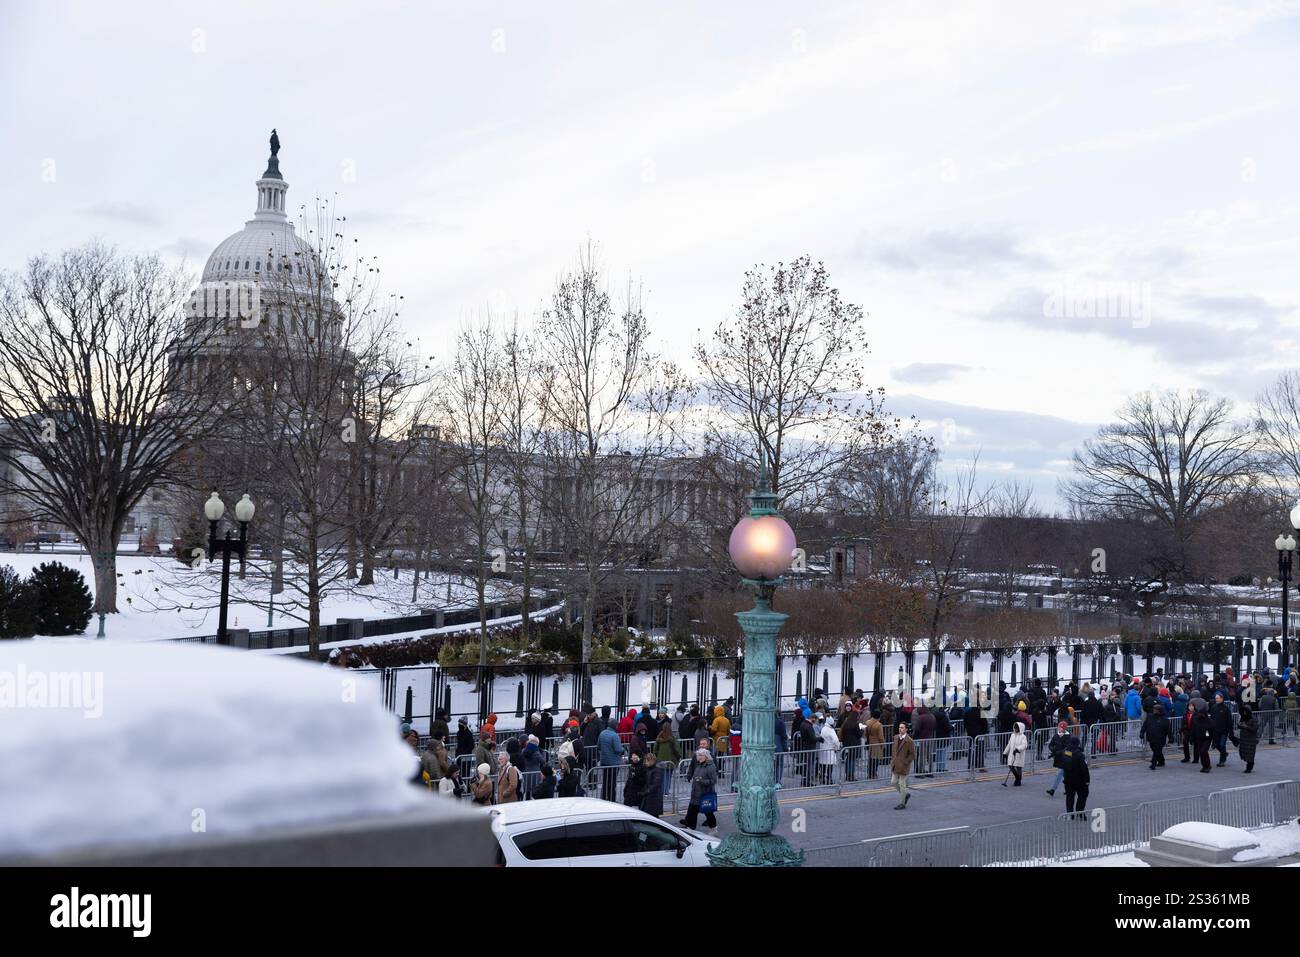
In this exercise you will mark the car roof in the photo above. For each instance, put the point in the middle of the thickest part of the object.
(520, 812)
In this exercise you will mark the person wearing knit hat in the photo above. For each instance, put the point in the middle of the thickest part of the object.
(481, 787)
(464, 738)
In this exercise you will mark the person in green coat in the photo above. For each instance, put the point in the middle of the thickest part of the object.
(667, 753)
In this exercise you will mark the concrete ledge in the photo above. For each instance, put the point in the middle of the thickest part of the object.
(444, 834)
(1169, 852)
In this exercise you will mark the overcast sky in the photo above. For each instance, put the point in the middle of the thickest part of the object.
(982, 178)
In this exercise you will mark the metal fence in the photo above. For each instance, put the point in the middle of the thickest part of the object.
(859, 768)
(1066, 837)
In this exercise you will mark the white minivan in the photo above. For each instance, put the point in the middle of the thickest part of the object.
(587, 832)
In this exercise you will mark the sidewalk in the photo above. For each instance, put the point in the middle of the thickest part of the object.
(869, 813)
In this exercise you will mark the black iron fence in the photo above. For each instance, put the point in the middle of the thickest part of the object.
(361, 628)
(513, 691)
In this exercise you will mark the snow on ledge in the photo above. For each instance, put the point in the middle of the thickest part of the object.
(117, 743)
(1210, 835)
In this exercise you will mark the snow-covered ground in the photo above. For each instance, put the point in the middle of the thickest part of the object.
(106, 744)
(160, 598)
(1281, 840)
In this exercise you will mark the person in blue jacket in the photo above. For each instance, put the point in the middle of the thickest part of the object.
(1177, 709)
(1133, 704)
(1179, 704)
(611, 749)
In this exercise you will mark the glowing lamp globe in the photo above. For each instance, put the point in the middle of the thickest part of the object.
(762, 546)
(244, 509)
(1295, 517)
(214, 508)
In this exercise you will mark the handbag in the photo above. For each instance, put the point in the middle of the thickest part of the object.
(709, 802)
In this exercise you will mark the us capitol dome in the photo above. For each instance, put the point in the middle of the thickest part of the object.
(249, 273)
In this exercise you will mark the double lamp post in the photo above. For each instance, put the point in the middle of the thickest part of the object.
(1286, 545)
(226, 546)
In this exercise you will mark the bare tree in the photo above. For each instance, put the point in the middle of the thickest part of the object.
(1005, 543)
(1277, 427)
(471, 414)
(613, 411)
(786, 373)
(318, 327)
(390, 406)
(523, 427)
(1167, 461)
(942, 538)
(100, 393)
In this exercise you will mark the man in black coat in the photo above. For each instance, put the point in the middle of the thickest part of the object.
(1076, 777)
(1267, 705)
(438, 729)
(590, 740)
(1036, 692)
(877, 697)
(690, 721)
(942, 724)
(1221, 725)
(1006, 719)
(1091, 710)
(1202, 732)
(1157, 735)
(807, 743)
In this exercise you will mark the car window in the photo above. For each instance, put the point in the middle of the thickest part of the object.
(544, 844)
(650, 836)
(592, 838)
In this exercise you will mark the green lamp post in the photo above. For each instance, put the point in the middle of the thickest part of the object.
(762, 547)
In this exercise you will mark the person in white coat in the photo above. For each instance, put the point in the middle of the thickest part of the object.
(1015, 750)
(828, 746)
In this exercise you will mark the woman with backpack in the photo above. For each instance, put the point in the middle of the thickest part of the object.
(507, 781)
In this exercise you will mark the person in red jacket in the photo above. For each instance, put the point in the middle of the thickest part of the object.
(627, 725)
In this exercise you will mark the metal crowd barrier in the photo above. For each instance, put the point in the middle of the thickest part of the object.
(1095, 833)
(1032, 841)
(1092, 836)
(1250, 806)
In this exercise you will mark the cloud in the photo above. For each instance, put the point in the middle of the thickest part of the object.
(135, 214)
(1183, 327)
(928, 373)
(957, 250)
(193, 253)
(1011, 444)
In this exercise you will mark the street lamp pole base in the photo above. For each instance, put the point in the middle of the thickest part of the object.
(739, 849)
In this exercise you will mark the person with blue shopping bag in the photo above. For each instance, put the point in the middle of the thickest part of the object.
(704, 794)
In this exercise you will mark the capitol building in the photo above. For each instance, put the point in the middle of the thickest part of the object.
(264, 283)
(261, 288)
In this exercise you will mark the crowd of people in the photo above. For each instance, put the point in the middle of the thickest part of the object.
(861, 734)
(542, 761)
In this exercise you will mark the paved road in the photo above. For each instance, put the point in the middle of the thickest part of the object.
(837, 820)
